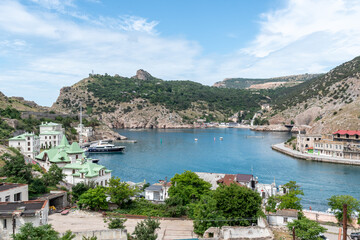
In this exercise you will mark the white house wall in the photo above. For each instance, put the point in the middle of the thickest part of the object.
(11, 192)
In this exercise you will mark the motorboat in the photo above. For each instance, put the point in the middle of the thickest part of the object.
(104, 146)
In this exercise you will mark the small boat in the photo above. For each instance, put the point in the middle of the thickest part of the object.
(221, 138)
(196, 139)
(104, 147)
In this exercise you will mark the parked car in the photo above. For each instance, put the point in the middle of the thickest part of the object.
(355, 236)
(323, 237)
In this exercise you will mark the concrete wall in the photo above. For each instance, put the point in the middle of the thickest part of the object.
(29, 147)
(113, 234)
(11, 192)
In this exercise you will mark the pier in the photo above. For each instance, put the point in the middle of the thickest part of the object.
(280, 147)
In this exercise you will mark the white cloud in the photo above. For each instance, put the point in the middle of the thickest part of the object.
(304, 36)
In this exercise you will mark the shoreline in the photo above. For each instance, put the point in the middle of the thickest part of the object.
(280, 147)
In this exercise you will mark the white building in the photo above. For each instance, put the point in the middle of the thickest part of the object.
(85, 131)
(50, 134)
(282, 217)
(158, 191)
(76, 167)
(305, 142)
(27, 143)
(13, 192)
(13, 215)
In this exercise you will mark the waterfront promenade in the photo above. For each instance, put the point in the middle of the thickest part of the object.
(280, 147)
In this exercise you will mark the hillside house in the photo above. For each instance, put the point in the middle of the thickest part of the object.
(305, 143)
(282, 217)
(76, 166)
(13, 192)
(341, 144)
(158, 191)
(13, 215)
(27, 143)
(50, 134)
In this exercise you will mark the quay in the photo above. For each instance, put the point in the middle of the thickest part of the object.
(280, 147)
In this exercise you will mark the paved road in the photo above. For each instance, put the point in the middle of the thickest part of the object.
(333, 232)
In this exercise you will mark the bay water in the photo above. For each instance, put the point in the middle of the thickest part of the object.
(163, 153)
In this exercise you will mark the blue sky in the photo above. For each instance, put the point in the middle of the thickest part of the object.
(48, 44)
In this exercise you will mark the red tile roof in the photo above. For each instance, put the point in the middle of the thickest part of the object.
(343, 132)
(228, 179)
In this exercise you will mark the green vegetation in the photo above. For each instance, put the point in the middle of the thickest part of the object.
(94, 199)
(175, 95)
(17, 171)
(306, 229)
(187, 188)
(232, 205)
(336, 203)
(44, 232)
(242, 83)
(145, 230)
(261, 121)
(319, 87)
(116, 223)
(79, 189)
(120, 192)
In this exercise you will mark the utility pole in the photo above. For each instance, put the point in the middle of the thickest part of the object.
(293, 232)
(344, 221)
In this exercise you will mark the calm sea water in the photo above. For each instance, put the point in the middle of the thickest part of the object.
(162, 153)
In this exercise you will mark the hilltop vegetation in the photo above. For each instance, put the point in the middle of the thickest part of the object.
(286, 81)
(326, 103)
(175, 95)
(146, 101)
(319, 87)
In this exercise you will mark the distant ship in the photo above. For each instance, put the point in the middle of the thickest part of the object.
(105, 146)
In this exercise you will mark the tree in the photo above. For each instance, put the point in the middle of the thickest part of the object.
(37, 186)
(16, 168)
(53, 176)
(205, 214)
(306, 229)
(336, 203)
(188, 187)
(79, 189)
(232, 205)
(116, 223)
(44, 232)
(120, 192)
(145, 230)
(95, 199)
(238, 203)
(291, 199)
(271, 203)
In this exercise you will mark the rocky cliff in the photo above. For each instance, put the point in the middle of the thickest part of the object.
(144, 101)
(326, 104)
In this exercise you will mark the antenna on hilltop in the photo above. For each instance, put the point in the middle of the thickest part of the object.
(92, 72)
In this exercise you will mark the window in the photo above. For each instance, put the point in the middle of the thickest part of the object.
(54, 143)
(45, 137)
(19, 143)
(76, 157)
(29, 149)
(7, 198)
(17, 197)
(5, 224)
(28, 143)
(49, 137)
(347, 135)
(105, 185)
(28, 138)
(101, 183)
(73, 171)
(54, 137)
(285, 219)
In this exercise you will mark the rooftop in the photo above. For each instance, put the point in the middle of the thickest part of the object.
(286, 213)
(343, 132)
(22, 136)
(28, 208)
(49, 124)
(7, 186)
(154, 188)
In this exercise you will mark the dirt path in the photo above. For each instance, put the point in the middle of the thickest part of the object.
(78, 221)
